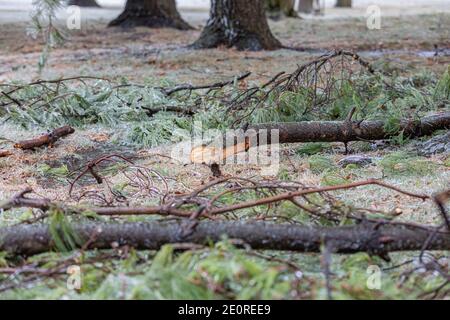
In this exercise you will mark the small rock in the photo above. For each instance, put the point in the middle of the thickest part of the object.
(438, 144)
(354, 159)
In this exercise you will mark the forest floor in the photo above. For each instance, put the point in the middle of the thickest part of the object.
(409, 47)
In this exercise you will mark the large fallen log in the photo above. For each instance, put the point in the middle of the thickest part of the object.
(313, 131)
(45, 139)
(345, 131)
(373, 238)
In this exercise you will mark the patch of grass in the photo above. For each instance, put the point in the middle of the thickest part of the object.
(58, 173)
(447, 162)
(362, 146)
(319, 164)
(402, 163)
(333, 179)
(312, 148)
(442, 89)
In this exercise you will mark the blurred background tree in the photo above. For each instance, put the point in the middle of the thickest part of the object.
(150, 13)
(83, 3)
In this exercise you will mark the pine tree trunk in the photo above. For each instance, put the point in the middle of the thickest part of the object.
(344, 3)
(237, 23)
(279, 7)
(83, 3)
(150, 13)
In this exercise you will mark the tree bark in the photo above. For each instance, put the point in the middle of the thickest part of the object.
(344, 3)
(279, 7)
(344, 131)
(237, 23)
(366, 237)
(150, 13)
(83, 3)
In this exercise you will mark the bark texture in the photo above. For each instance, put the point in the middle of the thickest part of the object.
(83, 3)
(237, 23)
(367, 237)
(150, 13)
(344, 131)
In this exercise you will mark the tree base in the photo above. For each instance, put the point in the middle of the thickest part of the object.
(213, 38)
(143, 19)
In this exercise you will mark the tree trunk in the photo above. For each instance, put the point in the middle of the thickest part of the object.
(150, 13)
(237, 23)
(374, 238)
(83, 3)
(305, 6)
(276, 8)
(344, 3)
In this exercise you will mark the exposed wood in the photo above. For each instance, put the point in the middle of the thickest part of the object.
(45, 139)
(366, 237)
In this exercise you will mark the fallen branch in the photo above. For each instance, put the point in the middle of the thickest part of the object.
(314, 131)
(5, 153)
(345, 131)
(377, 239)
(45, 139)
(208, 210)
(217, 85)
(182, 110)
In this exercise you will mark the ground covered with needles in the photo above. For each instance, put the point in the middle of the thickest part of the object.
(120, 91)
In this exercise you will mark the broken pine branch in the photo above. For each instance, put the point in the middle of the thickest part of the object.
(5, 153)
(217, 85)
(45, 139)
(173, 207)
